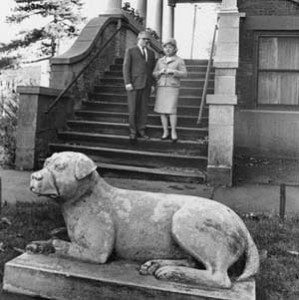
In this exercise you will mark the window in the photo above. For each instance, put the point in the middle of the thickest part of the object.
(278, 70)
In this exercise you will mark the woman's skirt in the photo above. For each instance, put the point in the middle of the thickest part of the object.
(166, 100)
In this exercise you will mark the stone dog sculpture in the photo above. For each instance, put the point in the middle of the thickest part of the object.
(172, 235)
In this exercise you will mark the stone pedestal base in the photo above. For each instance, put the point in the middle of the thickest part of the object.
(56, 278)
(220, 176)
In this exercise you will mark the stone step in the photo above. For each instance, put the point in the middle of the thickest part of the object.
(183, 147)
(194, 74)
(190, 175)
(122, 97)
(184, 91)
(193, 83)
(153, 131)
(51, 277)
(190, 68)
(122, 117)
(119, 61)
(188, 110)
(137, 158)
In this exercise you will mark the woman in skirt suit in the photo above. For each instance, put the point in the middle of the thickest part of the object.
(168, 71)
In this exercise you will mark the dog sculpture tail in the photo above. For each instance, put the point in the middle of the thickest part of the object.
(252, 259)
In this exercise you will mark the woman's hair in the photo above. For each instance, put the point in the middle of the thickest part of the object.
(175, 49)
(171, 42)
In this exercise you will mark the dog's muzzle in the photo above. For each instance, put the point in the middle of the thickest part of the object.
(43, 183)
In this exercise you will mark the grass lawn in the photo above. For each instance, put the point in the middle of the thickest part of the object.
(279, 273)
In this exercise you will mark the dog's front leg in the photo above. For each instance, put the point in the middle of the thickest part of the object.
(92, 238)
(72, 250)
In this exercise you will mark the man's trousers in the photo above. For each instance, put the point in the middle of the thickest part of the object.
(138, 107)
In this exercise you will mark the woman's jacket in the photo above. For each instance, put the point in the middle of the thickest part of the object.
(175, 64)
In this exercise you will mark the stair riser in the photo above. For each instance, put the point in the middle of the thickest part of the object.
(141, 145)
(124, 130)
(189, 111)
(193, 84)
(197, 68)
(152, 120)
(134, 159)
(119, 61)
(121, 90)
(117, 98)
(152, 176)
(193, 75)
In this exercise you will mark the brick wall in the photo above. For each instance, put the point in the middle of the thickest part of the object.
(274, 14)
(268, 7)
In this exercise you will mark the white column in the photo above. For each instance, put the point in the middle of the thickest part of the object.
(154, 16)
(111, 7)
(141, 6)
(168, 20)
(230, 5)
(222, 103)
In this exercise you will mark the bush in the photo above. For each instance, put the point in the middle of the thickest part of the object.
(8, 124)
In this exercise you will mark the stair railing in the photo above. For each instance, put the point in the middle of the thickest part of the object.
(205, 88)
(66, 89)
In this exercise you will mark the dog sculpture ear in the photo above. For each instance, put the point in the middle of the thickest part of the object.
(84, 167)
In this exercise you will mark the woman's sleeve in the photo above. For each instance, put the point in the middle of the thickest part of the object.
(157, 69)
(181, 70)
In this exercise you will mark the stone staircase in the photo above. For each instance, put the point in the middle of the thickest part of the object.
(100, 130)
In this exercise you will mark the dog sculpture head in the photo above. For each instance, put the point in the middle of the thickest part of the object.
(63, 175)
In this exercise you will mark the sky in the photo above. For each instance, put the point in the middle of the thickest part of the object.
(184, 16)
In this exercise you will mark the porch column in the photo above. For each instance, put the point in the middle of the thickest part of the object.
(222, 103)
(155, 22)
(141, 6)
(168, 19)
(111, 7)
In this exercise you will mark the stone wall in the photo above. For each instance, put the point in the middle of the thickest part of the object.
(35, 128)
(260, 15)
(260, 131)
(268, 7)
(267, 133)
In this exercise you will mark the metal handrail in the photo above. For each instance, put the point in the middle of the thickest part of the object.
(205, 88)
(62, 93)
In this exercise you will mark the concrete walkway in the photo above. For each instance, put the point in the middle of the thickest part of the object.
(244, 198)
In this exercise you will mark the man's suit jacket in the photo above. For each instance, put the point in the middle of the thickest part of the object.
(136, 69)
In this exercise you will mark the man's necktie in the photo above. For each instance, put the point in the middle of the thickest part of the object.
(143, 53)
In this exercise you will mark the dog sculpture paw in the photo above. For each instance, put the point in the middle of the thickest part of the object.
(150, 267)
(40, 247)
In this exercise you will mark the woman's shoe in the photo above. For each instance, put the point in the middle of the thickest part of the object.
(175, 138)
(165, 137)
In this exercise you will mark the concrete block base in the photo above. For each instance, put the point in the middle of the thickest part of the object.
(220, 176)
(57, 278)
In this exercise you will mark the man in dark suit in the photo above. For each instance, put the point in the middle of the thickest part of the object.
(138, 67)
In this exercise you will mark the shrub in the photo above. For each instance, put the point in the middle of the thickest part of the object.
(8, 123)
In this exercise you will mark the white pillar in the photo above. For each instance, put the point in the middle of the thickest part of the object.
(168, 20)
(229, 5)
(111, 7)
(222, 103)
(141, 6)
(154, 16)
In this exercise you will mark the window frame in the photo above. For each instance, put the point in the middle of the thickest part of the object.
(273, 34)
